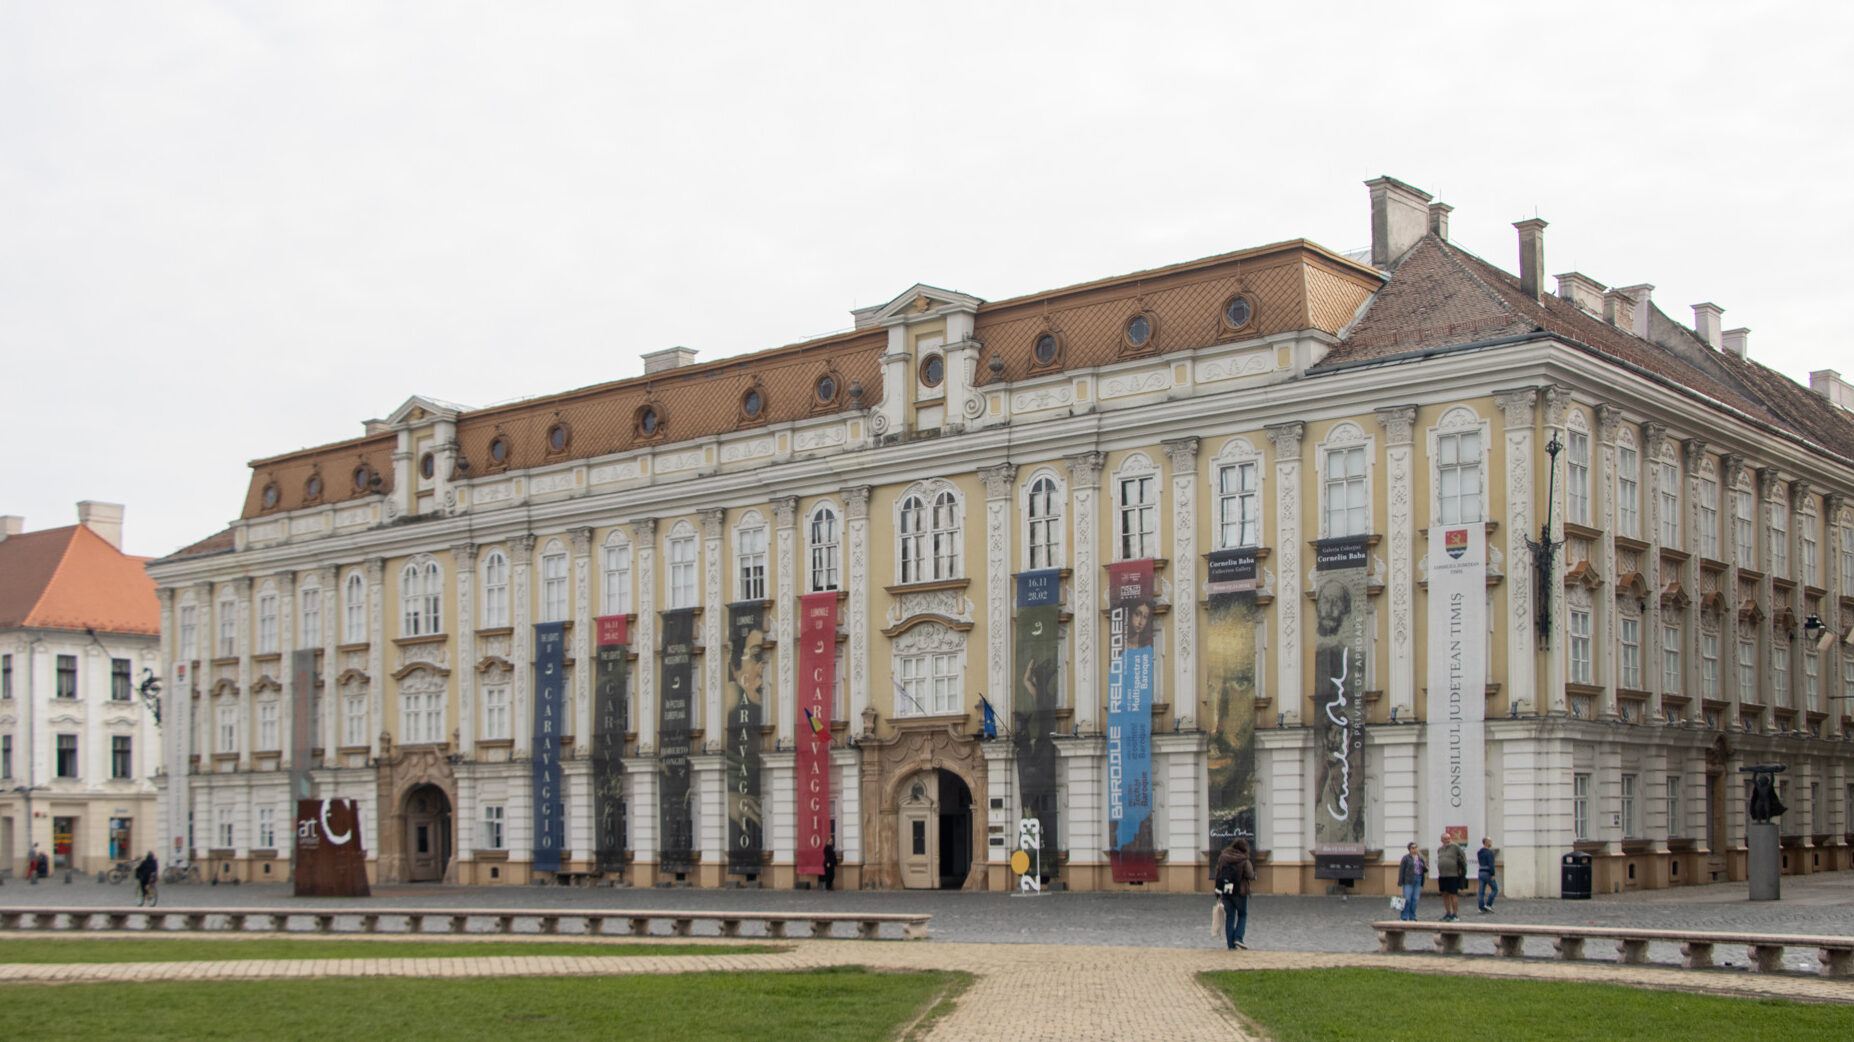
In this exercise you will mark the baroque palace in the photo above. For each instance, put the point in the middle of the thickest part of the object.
(1333, 552)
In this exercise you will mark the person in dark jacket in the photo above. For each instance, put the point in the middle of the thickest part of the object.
(1410, 873)
(1235, 875)
(1451, 876)
(1489, 889)
(145, 875)
(830, 866)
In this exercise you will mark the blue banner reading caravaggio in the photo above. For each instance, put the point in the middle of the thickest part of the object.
(675, 826)
(1035, 701)
(549, 709)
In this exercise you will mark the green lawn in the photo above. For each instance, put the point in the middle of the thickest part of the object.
(200, 949)
(840, 1005)
(1342, 1005)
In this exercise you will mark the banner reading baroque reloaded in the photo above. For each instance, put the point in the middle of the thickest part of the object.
(549, 712)
(1129, 722)
(1229, 676)
(1035, 701)
(1339, 708)
(675, 829)
(817, 675)
(745, 706)
(611, 716)
(1456, 707)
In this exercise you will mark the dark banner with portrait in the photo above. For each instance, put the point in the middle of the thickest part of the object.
(745, 705)
(1129, 722)
(549, 714)
(302, 721)
(675, 829)
(1229, 696)
(1339, 707)
(331, 860)
(1035, 701)
(611, 718)
(817, 677)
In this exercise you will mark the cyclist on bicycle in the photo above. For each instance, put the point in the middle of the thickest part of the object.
(145, 875)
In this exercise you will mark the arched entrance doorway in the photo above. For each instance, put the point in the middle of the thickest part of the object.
(934, 817)
(427, 814)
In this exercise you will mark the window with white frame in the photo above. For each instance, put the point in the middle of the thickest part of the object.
(1628, 487)
(496, 590)
(1577, 474)
(1847, 553)
(354, 720)
(228, 628)
(1709, 514)
(615, 579)
(681, 560)
(556, 604)
(224, 830)
(189, 633)
(1779, 537)
(1629, 632)
(1671, 680)
(354, 610)
(1625, 809)
(946, 536)
(929, 684)
(1239, 507)
(913, 529)
(1747, 670)
(1809, 542)
(493, 820)
(1709, 665)
(1674, 822)
(1045, 513)
(824, 540)
(496, 713)
(750, 562)
(1812, 680)
(1578, 651)
(928, 524)
(269, 738)
(267, 622)
(1780, 676)
(423, 715)
(1345, 509)
(421, 599)
(228, 729)
(1137, 502)
(267, 828)
(1669, 494)
(1580, 805)
(1744, 531)
(1847, 680)
(311, 617)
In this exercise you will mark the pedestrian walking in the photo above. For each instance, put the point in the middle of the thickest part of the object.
(1235, 876)
(145, 875)
(1489, 889)
(830, 866)
(1451, 876)
(32, 866)
(1410, 873)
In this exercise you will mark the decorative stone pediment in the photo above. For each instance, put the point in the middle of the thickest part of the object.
(420, 409)
(915, 303)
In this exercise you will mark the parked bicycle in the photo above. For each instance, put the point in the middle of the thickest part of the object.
(180, 872)
(122, 870)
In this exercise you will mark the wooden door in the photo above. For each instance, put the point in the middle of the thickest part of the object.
(919, 817)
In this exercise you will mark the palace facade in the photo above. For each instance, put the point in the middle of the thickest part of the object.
(1333, 552)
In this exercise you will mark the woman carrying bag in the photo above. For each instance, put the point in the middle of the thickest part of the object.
(1235, 875)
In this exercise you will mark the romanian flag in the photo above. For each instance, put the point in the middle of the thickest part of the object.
(819, 727)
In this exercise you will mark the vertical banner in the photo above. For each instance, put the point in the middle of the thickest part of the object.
(675, 830)
(745, 706)
(1229, 696)
(1339, 708)
(1034, 703)
(1456, 705)
(331, 860)
(302, 720)
(611, 718)
(817, 676)
(1129, 722)
(549, 711)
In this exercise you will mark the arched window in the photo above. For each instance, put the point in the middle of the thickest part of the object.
(945, 536)
(555, 601)
(750, 557)
(421, 599)
(913, 539)
(354, 610)
(495, 590)
(615, 577)
(1045, 514)
(824, 541)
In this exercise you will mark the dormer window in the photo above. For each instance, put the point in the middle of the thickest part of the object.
(558, 437)
(1139, 331)
(1236, 312)
(1047, 349)
(498, 450)
(933, 370)
(826, 389)
(427, 466)
(271, 495)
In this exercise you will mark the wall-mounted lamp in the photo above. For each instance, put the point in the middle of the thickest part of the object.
(1394, 710)
(1281, 719)
(1512, 711)
(150, 690)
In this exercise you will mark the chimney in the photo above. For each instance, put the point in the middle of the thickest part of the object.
(1737, 341)
(1438, 220)
(13, 524)
(1532, 257)
(1400, 216)
(1619, 309)
(1581, 290)
(668, 358)
(105, 519)
(1643, 294)
(1825, 382)
(1706, 322)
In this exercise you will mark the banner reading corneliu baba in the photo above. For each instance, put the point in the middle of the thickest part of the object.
(1229, 677)
(675, 829)
(817, 676)
(1455, 709)
(1129, 722)
(611, 717)
(549, 712)
(745, 697)
(1034, 705)
(1339, 707)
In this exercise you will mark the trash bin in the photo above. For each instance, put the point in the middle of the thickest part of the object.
(1574, 885)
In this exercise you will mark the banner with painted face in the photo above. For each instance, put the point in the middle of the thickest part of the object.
(1229, 695)
(331, 859)
(817, 676)
(675, 824)
(1035, 700)
(1340, 571)
(549, 716)
(611, 718)
(1130, 693)
(744, 702)
(1455, 708)
(302, 721)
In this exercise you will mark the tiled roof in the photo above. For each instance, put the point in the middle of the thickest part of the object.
(217, 543)
(73, 579)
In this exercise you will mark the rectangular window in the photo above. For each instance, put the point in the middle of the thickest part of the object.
(1625, 811)
(6, 756)
(1747, 671)
(228, 629)
(1811, 551)
(1577, 477)
(1847, 560)
(354, 721)
(554, 599)
(492, 827)
(930, 685)
(1345, 510)
(354, 611)
(67, 756)
(1779, 539)
(496, 713)
(1580, 805)
(682, 572)
(267, 624)
(67, 676)
(228, 729)
(945, 537)
(1670, 505)
(1675, 825)
(121, 680)
(1045, 525)
(1579, 650)
(1709, 665)
(1847, 682)
(189, 633)
(615, 581)
(1671, 680)
(1709, 518)
(6, 677)
(1744, 542)
(1239, 510)
(424, 718)
(1628, 491)
(825, 541)
(1812, 681)
(1139, 510)
(224, 829)
(1780, 676)
(267, 736)
(267, 828)
(312, 618)
(495, 591)
(121, 756)
(1630, 631)
(750, 562)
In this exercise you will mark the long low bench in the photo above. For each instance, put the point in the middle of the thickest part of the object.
(1764, 951)
(594, 922)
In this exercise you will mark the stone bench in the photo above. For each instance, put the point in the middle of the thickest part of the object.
(1764, 951)
(369, 920)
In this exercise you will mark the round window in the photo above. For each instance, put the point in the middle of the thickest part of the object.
(312, 488)
(557, 438)
(1045, 349)
(499, 450)
(647, 422)
(362, 476)
(270, 496)
(933, 370)
(427, 466)
(752, 403)
(1139, 331)
(827, 387)
(1236, 312)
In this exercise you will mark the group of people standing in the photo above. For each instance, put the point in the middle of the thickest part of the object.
(1451, 877)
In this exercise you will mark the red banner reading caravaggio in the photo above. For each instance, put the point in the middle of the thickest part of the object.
(817, 675)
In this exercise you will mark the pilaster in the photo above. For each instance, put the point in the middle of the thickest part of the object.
(1517, 408)
(1084, 494)
(1287, 439)
(999, 596)
(1400, 497)
(856, 535)
(1183, 694)
(644, 677)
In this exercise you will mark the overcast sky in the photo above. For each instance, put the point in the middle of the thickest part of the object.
(231, 230)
